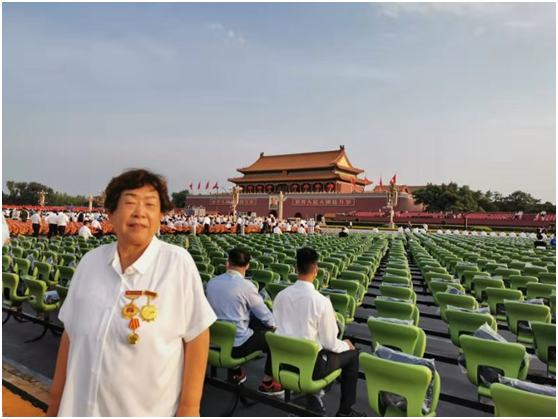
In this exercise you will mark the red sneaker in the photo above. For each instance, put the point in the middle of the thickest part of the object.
(237, 376)
(271, 389)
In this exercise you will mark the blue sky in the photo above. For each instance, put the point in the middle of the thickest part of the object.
(435, 92)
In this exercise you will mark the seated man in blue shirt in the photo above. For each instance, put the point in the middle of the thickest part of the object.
(236, 300)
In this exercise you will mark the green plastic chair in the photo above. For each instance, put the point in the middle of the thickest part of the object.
(461, 269)
(547, 278)
(66, 274)
(519, 282)
(42, 273)
(505, 356)
(544, 335)
(282, 269)
(538, 290)
(481, 283)
(23, 266)
(266, 260)
(398, 292)
(397, 280)
(513, 402)
(405, 338)
(468, 277)
(343, 304)
(65, 260)
(386, 376)
(62, 292)
(206, 277)
(353, 288)
(438, 287)
(534, 270)
(17, 252)
(6, 263)
(505, 273)
(274, 288)
(37, 290)
(517, 312)
(496, 297)
(446, 299)
(398, 272)
(264, 277)
(221, 341)
(397, 310)
(464, 323)
(300, 355)
(10, 282)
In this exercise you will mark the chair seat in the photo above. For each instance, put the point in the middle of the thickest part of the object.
(291, 381)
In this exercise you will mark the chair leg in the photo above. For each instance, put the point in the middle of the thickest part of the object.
(8, 315)
(42, 335)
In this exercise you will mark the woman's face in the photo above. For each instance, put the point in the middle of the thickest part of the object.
(137, 216)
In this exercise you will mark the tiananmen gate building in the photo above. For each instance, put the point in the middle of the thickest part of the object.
(313, 184)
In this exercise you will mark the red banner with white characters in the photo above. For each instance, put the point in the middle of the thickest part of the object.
(323, 202)
(227, 201)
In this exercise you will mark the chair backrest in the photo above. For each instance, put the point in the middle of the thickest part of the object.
(544, 335)
(506, 356)
(291, 352)
(6, 262)
(538, 290)
(397, 310)
(547, 278)
(386, 376)
(222, 335)
(37, 291)
(398, 292)
(405, 338)
(463, 301)
(274, 289)
(496, 297)
(464, 323)
(509, 401)
(23, 266)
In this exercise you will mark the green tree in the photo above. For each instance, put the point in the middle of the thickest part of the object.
(24, 193)
(179, 198)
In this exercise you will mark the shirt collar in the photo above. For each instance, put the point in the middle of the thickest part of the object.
(144, 261)
(303, 284)
(232, 272)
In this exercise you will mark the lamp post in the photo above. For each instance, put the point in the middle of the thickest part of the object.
(42, 197)
(391, 203)
(235, 199)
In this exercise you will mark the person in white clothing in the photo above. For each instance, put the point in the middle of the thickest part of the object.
(311, 225)
(5, 231)
(136, 320)
(512, 234)
(277, 230)
(206, 224)
(36, 223)
(474, 233)
(62, 222)
(301, 230)
(375, 230)
(502, 234)
(522, 235)
(439, 231)
(483, 233)
(84, 231)
(52, 221)
(288, 228)
(302, 312)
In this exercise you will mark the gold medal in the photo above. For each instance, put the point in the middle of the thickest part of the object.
(130, 310)
(148, 312)
(133, 338)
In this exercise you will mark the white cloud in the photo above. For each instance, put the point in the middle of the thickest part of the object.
(228, 35)
(516, 16)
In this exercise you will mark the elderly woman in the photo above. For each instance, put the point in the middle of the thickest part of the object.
(136, 319)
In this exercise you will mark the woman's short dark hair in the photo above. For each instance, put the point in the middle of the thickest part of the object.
(306, 259)
(239, 257)
(135, 179)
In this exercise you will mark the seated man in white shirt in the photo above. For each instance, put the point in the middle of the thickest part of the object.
(301, 229)
(302, 312)
(236, 300)
(84, 231)
(277, 230)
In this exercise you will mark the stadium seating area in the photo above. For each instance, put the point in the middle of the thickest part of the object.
(370, 278)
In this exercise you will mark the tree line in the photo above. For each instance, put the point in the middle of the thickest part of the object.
(27, 193)
(454, 198)
(444, 198)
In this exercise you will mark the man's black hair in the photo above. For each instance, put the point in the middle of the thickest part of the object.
(306, 259)
(239, 257)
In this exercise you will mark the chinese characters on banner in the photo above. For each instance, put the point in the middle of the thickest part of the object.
(248, 202)
(339, 202)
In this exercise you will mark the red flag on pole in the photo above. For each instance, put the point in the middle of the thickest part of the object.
(393, 179)
(192, 185)
(353, 181)
(207, 186)
(366, 181)
(216, 186)
(199, 185)
(381, 185)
